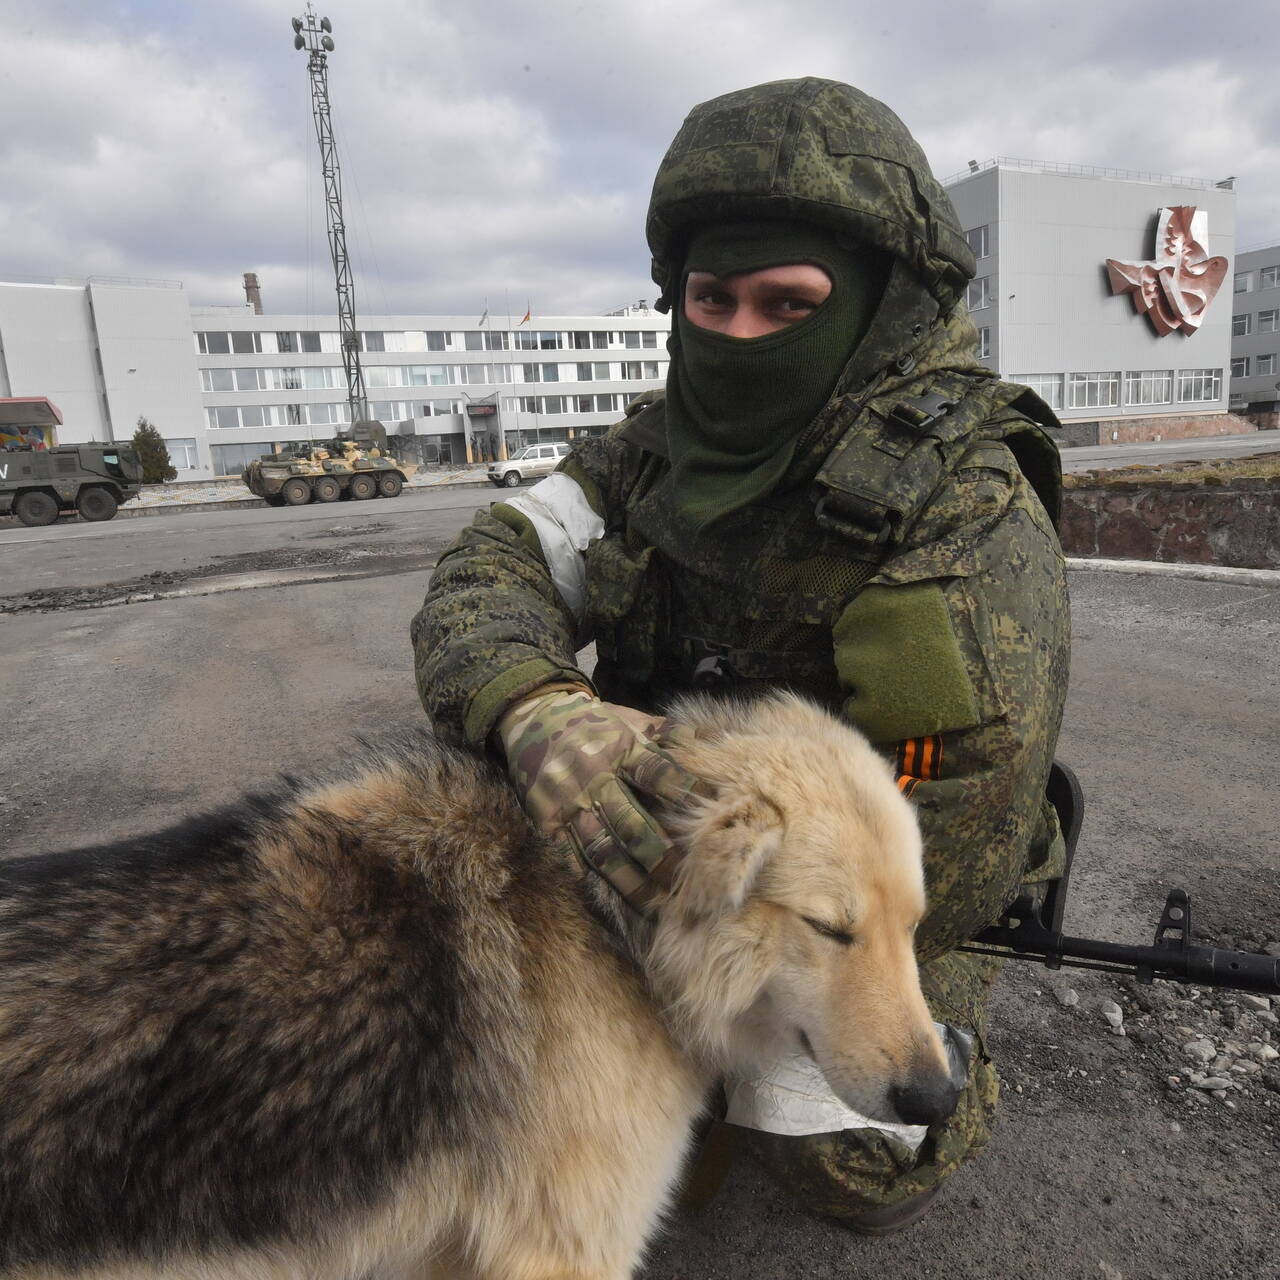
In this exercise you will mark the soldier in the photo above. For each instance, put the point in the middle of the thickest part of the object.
(832, 495)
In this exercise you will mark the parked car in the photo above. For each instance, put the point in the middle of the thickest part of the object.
(532, 463)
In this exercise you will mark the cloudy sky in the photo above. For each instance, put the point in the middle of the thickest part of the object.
(499, 150)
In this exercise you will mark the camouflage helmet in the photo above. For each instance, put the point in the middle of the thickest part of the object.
(814, 150)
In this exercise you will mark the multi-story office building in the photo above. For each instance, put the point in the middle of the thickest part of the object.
(225, 384)
(455, 383)
(1047, 315)
(1255, 336)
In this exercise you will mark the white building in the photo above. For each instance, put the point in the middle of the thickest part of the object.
(450, 381)
(1255, 335)
(225, 384)
(1046, 312)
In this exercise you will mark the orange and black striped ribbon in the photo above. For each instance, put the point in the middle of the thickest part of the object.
(919, 760)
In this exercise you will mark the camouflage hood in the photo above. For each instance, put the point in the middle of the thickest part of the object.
(817, 151)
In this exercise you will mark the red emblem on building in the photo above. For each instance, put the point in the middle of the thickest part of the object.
(1176, 288)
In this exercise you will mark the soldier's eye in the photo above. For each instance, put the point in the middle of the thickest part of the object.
(842, 936)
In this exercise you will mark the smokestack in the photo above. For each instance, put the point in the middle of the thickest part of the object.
(252, 292)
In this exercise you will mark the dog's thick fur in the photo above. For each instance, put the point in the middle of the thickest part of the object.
(380, 1026)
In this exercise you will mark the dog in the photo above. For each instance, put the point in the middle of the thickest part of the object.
(381, 1027)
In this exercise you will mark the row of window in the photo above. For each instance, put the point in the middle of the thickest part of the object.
(1268, 278)
(328, 377)
(1101, 390)
(284, 341)
(229, 417)
(569, 404)
(1245, 366)
(1267, 322)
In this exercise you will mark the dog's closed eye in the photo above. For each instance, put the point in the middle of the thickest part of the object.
(842, 936)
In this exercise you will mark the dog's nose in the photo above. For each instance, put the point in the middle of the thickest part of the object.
(925, 1101)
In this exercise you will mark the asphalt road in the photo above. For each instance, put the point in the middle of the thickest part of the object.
(121, 719)
(75, 554)
(1087, 458)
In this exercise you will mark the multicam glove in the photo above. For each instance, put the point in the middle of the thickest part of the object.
(578, 764)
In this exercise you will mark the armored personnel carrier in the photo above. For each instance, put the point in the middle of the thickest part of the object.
(353, 466)
(38, 485)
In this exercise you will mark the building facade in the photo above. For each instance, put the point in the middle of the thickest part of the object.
(1047, 315)
(106, 352)
(226, 384)
(1255, 335)
(463, 388)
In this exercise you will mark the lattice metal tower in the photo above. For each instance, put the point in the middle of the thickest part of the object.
(314, 35)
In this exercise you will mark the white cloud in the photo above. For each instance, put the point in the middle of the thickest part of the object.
(505, 148)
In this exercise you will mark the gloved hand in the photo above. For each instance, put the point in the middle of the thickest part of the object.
(579, 764)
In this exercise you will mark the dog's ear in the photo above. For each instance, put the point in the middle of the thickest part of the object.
(733, 838)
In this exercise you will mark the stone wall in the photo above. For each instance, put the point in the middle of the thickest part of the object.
(1165, 426)
(1233, 522)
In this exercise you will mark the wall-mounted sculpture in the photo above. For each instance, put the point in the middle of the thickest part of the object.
(1176, 288)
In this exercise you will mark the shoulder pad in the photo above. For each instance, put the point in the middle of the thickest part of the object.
(898, 449)
(643, 401)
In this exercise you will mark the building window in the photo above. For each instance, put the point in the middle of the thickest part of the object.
(223, 417)
(1199, 385)
(984, 343)
(249, 379)
(1093, 390)
(1148, 386)
(499, 341)
(979, 241)
(213, 344)
(1266, 364)
(1269, 277)
(1048, 386)
(1244, 282)
(378, 342)
(1242, 326)
(1268, 321)
(217, 379)
(183, 455)
(978, 295)
(640, 369)
(1240, 367)
(246, 344)
(286, 343)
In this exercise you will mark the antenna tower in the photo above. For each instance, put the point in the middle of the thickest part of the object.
(315, 36)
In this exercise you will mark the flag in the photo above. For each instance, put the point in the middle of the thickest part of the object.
(484, 319)
(528, 315)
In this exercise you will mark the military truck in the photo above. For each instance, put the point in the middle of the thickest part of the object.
(38, 485)
(353, 465)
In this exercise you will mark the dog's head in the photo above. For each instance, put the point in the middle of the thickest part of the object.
(793, 914)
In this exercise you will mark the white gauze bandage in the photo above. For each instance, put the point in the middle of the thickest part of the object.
(566, 526)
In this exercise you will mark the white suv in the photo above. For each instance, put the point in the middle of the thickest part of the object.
(532, 462)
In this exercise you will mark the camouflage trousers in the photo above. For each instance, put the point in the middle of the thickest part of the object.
(840, 1174)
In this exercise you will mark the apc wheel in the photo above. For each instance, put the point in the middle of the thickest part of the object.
(326, 489)
(296, 492)
(96, 503)
(390, 484)
(511, 479)
(35, 508)
(362, 487)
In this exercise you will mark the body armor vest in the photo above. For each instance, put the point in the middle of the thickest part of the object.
(756, 600)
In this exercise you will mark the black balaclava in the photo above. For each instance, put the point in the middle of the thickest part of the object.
(736, 406)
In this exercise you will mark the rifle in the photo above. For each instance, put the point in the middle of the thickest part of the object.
(1031, 928)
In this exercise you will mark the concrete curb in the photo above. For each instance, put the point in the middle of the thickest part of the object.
(1202, 572)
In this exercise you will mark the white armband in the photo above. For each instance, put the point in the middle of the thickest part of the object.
(566, 526)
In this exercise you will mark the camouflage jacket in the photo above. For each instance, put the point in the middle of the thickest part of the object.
(906, 573)
(950, 651)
